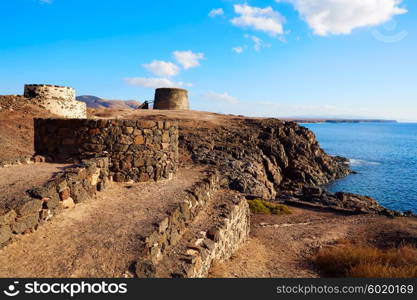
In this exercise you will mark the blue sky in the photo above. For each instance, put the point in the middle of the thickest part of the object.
(346, 58)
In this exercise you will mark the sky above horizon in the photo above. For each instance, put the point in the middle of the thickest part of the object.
(276, 58)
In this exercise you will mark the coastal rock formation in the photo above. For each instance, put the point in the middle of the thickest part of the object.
(318, 197)
(263, 158)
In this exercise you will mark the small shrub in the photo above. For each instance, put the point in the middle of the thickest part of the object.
(259, 206)
(382, 271)
(368, 262)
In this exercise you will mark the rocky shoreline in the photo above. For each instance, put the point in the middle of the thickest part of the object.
(276, 161)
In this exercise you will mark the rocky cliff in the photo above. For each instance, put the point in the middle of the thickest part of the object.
(263, 157)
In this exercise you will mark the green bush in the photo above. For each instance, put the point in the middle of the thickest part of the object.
(259, 206)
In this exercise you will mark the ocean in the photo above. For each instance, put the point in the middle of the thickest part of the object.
(383, 154)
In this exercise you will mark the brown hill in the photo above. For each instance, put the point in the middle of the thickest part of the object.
(96, 102)
(16, 126)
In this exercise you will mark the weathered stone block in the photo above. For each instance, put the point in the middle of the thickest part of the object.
(163, 225)
(145, 269)
(139, 140)
(24, 223)
(65, 194)
(68, 203)
(29, 206)
(144, 177)
(165, 137)
(139, 162)
(5, 234)
(146, 124)
(51, 203)
(94, 131)
(8, 218)
(78, 193)
(128, 130)
(125, 140)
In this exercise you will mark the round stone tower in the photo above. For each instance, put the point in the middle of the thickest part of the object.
(59, 100)
(49, 92)
(171, 99)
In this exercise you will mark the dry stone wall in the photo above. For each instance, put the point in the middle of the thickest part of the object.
(24, 160)
(74, 185)
(138, 150)
(219, 242)
(168, 231)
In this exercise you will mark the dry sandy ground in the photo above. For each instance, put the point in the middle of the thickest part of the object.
(98, 238)
(16, 180)
(16, 126)
(285, 246)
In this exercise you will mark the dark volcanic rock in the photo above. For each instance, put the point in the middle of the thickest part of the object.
(263, 157)
(348, 202)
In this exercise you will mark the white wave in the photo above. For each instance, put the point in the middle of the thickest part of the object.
(361, 162)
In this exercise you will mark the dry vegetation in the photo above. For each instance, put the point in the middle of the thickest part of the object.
(347, 260)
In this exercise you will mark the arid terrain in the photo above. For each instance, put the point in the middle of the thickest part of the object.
(286, 246)
(98, 238)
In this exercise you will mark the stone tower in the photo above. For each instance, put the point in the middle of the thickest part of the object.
(59, 100)
(171, 99)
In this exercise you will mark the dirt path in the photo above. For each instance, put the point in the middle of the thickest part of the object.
(284, 246)
(98, 238)
(16, 180)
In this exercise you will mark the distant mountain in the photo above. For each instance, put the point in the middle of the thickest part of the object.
(96, 102)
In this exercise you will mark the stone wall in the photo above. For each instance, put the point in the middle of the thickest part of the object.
(59, 100)
(171, 99)
(169, 230)
(72, 186)
(139, 150)
(24, 160)
(221, 241)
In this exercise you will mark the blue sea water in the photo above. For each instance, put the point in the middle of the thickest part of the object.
(383, 154)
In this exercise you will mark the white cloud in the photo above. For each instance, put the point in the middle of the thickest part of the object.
(162, 68)
(237, 50)
(188, 59)
(215, 12)
(225, 98)
(46, 1)
(342, 16)
(258, 43)
(154, 83)
(261, 19)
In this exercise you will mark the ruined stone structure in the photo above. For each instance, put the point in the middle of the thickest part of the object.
(59, 100)
(171, 99)
(138, 150)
